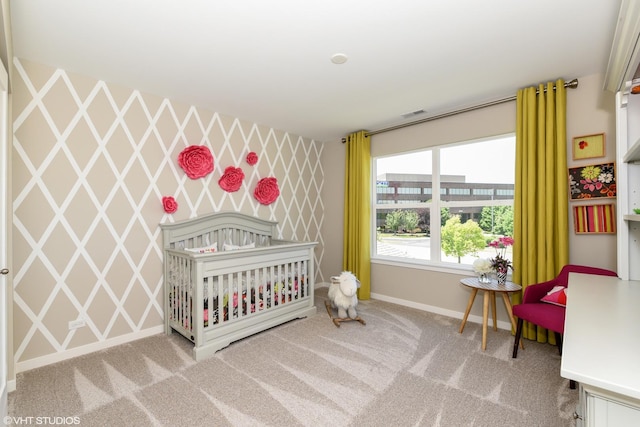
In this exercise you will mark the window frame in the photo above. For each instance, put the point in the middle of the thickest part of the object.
(435, 263)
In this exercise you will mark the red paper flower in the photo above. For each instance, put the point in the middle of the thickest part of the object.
(169, 204)
(196, 160)
(267, 191)
(252, 158)
(583, 144)
(231, 179)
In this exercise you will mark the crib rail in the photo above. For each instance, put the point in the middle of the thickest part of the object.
(230, 236)
(179, 294)
(233, 296)
(221, 227)
(209, 292)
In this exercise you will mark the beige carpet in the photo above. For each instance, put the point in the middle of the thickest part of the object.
(404, 368)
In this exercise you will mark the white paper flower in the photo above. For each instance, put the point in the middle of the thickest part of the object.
(482, 266)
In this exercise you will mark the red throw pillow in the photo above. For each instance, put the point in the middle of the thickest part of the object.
(557, 296)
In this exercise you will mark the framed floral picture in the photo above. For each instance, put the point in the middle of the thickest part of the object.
(593, 181)
(588, 146)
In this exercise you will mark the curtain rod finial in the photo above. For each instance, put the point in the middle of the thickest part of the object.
(344, 140)
(572, 84)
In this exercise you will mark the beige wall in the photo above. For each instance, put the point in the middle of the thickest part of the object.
(91, 163)
(333, 200)
(589, 110)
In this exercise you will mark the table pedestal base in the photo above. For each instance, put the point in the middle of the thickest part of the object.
(489, 298)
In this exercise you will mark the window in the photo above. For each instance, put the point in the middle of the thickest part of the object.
(408, 190)
(457, 183)
(385, 190)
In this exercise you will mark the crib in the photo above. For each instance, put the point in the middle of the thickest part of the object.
(226, 277)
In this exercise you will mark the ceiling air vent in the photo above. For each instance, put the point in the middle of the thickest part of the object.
(413, 114)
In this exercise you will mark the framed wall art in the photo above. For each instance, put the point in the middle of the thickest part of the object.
(588, 146)
(594, 219)
(592, 181)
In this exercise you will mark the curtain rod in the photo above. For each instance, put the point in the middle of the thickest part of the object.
(570, 85)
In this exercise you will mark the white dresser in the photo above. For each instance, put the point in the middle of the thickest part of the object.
(601, 349)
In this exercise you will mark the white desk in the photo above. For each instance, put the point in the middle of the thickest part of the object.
(601, 348)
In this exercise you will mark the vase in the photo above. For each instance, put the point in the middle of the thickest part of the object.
(484, 278)
(501, 276)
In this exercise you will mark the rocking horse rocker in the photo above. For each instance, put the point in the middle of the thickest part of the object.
(342, 296)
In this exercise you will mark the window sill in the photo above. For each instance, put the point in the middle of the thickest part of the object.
(462, 270)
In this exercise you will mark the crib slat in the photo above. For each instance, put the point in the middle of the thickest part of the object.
(278, 280)
(208, 315)
(295, 293)
(238, 285)
(182, 295)
(219, 280)
(256, 292)
(301, 279)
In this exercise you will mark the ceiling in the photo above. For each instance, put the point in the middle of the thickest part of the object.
(269, 62)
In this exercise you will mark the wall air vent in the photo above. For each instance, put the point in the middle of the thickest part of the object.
(413, 114)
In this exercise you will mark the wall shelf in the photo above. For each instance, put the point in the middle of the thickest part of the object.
(633, 154)
(628, 183)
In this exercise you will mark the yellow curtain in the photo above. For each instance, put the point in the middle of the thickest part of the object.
(357, 211)
(541, 220)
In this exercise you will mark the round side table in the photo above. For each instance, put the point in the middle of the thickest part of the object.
(490, 290)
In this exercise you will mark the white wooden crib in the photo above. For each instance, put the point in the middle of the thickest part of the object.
(214, 296)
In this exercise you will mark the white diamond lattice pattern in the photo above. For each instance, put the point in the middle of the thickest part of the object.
(91, 163)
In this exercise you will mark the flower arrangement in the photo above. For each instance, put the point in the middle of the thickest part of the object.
(500, 264)
(482, 266)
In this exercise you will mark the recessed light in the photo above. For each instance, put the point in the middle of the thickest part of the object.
(339, 58)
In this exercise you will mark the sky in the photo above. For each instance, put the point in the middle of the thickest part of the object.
(490, 161)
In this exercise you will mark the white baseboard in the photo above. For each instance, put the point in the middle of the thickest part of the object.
(90, 348)
(11, 386)
(85, 349)
(438, 310)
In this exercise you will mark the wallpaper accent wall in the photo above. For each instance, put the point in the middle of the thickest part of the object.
(91, 163)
